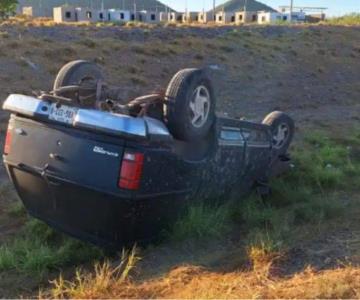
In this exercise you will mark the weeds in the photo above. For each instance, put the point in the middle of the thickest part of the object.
(350, 19)
(303, 196)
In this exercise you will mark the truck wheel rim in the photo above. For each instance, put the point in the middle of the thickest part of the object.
(199, 106)
(281, 135)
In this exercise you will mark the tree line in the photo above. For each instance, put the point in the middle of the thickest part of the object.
(7, 8)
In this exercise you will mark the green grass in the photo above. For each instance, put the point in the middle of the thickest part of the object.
(39, 249)
(16, 209)
(201, 221)
(307, 194)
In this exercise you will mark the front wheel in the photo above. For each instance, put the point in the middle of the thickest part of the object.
(282, 129)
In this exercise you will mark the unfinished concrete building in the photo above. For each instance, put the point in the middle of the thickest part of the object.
(117, 15)
(275, 17)
(224, 17)
(64, 14)
(190, 17)
(243, 17)
(175, 17)
(205, 17)
(149, 16)
(315, 18)
(86, 15)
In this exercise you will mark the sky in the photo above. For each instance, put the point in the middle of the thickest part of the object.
(335, 7)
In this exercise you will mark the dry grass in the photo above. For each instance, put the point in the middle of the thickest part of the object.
(191, 282)
(101, 282)
(39, 22)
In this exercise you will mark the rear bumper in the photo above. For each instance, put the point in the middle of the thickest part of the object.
(95, 216)
(145, 128)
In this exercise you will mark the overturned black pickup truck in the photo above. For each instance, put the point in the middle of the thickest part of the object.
(112, 174)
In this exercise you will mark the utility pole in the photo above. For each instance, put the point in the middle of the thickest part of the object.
(291, 9)
(214, 6)
(245, 8)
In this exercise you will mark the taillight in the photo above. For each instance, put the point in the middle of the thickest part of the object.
(7, 147)
(131, 170)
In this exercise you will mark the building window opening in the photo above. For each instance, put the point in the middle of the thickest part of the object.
(122, 16)
(89, 14)
(153, 17)
(68, 15)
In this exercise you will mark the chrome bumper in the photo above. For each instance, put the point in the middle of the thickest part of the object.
(94, 120)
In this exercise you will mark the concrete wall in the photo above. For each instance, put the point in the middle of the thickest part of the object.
(242, 17)
(27, 11)
(164, 17)
(225, 17)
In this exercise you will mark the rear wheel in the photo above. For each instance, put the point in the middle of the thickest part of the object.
(282, 131)
(190, 107)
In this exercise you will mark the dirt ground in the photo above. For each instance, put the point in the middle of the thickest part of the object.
(313, 73)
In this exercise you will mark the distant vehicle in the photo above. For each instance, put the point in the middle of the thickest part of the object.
(113, 174)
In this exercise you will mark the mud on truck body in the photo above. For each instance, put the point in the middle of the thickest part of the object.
(112, 174)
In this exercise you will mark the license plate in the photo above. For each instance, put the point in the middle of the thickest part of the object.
(64, 114)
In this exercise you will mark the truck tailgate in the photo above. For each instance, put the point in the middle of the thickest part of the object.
(66, 153)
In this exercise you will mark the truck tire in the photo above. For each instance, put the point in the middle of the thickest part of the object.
(190, 105)
(76, 72)
(282, 129)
